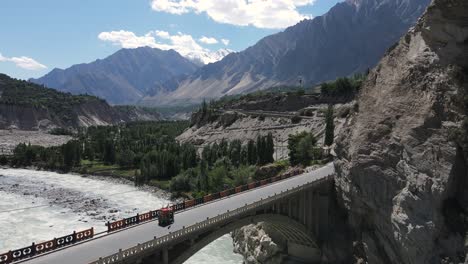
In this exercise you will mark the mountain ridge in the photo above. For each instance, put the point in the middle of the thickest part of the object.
(350, 38)
(29, 106)
(121, 78)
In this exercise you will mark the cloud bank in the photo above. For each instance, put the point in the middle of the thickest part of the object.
(258, 13)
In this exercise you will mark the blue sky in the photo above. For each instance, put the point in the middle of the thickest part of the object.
(37, 36)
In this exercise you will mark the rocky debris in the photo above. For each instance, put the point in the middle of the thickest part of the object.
(10, 138)
(401, 172)
(228, 118)
(268, 171)
(80, 203)
(293, 171)
(256, 246)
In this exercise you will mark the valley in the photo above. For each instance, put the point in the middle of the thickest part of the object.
(337, 138)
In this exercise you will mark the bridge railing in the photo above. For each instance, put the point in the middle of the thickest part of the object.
(40, 248)
(187, 232)
(134, 220)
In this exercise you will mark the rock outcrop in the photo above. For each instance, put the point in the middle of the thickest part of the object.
(256, 245)
(402, 159)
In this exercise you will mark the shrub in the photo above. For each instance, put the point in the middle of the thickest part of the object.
(59, 131)
(296, 119)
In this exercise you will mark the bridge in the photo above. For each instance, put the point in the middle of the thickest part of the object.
(296, 208)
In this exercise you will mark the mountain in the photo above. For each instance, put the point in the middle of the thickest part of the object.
(350, 38)
(122, 78)
(402, 163)
(207, 57)
(29, 106)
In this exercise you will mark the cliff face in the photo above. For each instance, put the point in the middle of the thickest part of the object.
(402, 159)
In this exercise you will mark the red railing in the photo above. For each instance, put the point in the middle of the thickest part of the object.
(36, 249)
(112, 226)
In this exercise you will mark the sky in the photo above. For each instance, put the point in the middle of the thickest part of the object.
(38, 36)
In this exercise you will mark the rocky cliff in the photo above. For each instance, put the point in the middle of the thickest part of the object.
(402, 159)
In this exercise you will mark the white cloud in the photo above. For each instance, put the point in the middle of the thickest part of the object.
(225, 41)
(180, 42)
(162, 34)
(258, 13)
(24, 62)
(127, 39)
(208, 40)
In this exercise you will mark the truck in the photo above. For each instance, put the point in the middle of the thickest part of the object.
(166, 216)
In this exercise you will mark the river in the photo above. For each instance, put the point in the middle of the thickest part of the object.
(39, 205)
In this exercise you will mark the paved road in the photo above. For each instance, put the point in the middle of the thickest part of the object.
(111, 243)
(268, 113)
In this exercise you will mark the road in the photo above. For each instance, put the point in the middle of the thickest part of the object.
(110, 243)
(268, 113)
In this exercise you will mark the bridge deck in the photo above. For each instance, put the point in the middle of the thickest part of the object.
(110, 243)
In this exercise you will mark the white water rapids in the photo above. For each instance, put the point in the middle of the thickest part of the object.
(37, 206)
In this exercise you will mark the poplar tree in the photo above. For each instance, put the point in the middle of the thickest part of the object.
(329, 127)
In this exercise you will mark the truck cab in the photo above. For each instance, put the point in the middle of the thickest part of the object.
(166, 216)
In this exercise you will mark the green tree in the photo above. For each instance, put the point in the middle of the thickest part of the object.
(260, 150)
(270, 148)
(235, 148)
(217, 177)
(251, 152)
(203, 176)
(329, 126)
(302, 148)
(109, 155)
(71, 154)
(126, 158)
(243, 174)
(89, 151)
(305, 149)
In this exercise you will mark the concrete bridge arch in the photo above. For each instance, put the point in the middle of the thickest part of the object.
(288, 232)
(301, 220)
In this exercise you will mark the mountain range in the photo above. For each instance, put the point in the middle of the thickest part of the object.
(350, 38)
(122, 78)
